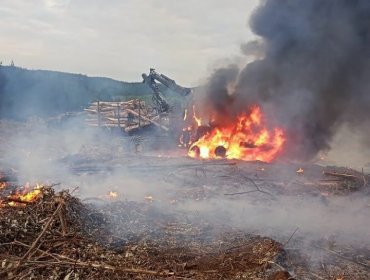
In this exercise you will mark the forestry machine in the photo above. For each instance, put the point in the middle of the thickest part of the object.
(158, 99)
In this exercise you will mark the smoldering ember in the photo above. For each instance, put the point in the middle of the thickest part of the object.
(260, 171)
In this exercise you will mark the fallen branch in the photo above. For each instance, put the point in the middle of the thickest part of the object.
(83, 265)
(47, 225)
(16, 242)
(238, 193)
(255, 185)
(99, 266)
(291, 237)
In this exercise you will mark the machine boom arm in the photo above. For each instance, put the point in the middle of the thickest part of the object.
(159, 101)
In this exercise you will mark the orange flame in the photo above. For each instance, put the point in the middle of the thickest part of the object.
(300, 171)
(197, 120)
(113, 194)
(3, 185)
(25, 196)
(190, 125)
(247, 139)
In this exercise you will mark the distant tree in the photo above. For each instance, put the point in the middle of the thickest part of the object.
(12, 63)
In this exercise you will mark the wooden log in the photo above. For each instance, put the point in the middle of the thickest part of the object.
(108, 119)
(121, 119)
(102, 116)
(147, 119)
(115, 106)
(136, 126)
(94, 109)
(106, 125)
(345, 176)
(107, 122)
(119, 102)
(90, 110)
(107, 114)
(91, 120)
(112, 103)
(321, 184)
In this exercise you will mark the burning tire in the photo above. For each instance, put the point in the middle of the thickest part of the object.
(220, 151)
(195, 151)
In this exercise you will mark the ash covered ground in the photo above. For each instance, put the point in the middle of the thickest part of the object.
(318, 218)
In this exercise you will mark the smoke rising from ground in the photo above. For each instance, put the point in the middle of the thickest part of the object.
(96, 162)
(313, 76)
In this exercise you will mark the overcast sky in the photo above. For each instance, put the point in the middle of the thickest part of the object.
(123, 38)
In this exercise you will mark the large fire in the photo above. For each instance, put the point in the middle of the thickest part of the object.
(246, 139)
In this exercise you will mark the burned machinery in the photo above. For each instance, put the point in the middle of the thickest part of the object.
(153, 80)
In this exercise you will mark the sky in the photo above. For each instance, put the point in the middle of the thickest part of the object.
(121, 39)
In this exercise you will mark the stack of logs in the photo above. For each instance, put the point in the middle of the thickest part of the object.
(127, 115)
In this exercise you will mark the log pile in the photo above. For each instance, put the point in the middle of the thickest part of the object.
(127, 115)
(342, 180)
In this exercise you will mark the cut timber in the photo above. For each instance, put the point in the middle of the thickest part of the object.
(319, 184)
(95, 110)
(146, 119)
(122, 119)
(132, 115)
(136, 126)
(346, 176)
(107, 125)
(113, 103)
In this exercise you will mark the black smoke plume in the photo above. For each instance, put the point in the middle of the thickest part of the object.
(314, 75)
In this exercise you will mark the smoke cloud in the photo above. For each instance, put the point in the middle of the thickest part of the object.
(313, 76)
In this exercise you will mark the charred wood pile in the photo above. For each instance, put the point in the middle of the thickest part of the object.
(46, 234)
(129, 115)
(56, 236)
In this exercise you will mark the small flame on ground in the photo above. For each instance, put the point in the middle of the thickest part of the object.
(148, 198)
(113, 194)
(24, 196)
(322, 156)
(3, 185)
(300, 171)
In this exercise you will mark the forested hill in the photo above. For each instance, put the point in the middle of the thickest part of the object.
(26, 93)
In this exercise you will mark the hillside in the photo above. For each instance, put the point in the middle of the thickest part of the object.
(25, 93)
